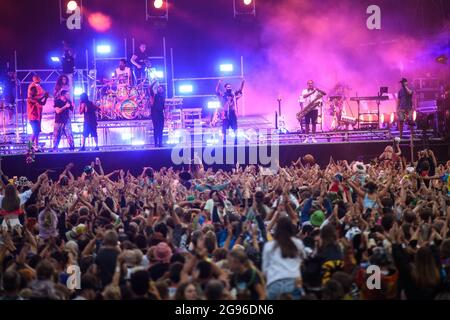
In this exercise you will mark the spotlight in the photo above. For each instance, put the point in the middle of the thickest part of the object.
(226, 67)
(72, 5)
(104, 49)
(213, 104)
(244, 8)
(157, 9)
(78, 91)
(186, 88)
(55, 59)
(159, 74)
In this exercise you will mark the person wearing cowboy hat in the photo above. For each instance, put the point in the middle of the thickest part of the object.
(404, 106)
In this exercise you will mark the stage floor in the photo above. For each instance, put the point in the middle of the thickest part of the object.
(138, 135)
(134, 158)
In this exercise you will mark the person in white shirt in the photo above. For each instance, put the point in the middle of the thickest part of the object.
(281, 261)
(311, 95)
(123, 74)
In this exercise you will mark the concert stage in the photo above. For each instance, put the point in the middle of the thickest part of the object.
(134, 158)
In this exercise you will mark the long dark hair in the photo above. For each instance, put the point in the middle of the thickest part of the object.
(284, 232)
(328, 236)
(11, 201)
(59, 83)
(84, 98)
(425, 271)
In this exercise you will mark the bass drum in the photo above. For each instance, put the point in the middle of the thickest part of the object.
(129, 109)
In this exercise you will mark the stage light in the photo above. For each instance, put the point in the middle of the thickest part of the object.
(226, 67)
(99, 21)
(159, 74)
(104, 49)
(186, 88)
(213, 104)
(157, 9)
(1, 90)
(72, 5)
(78, 91)
(244, 7)
(55, 59)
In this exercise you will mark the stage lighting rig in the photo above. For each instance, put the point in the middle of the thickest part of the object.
(244, 8)
(157, 9)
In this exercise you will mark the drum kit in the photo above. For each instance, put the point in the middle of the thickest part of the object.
(122, 102)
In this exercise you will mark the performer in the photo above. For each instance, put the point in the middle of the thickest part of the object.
(157, 112)
(140, 62)
(229, 110)
(405, 107)
(10, 92)
(123, 74)
(68, 66)
(61, 84)
(89, 109)
(63, 125)
(37, 98)
(311, 97)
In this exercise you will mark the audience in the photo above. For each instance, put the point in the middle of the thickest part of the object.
(305, 232)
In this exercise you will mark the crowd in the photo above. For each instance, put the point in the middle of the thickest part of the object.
(304, 232)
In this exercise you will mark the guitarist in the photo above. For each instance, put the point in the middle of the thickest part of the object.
(228, 112)
(311, 96)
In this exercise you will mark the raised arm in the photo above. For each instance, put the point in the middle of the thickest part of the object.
(218, 91)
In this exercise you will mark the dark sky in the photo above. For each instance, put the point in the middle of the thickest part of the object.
(32, 26)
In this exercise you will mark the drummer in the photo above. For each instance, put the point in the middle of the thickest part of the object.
(123, 75)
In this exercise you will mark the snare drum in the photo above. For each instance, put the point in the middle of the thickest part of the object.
(129, 109)
(348, 120)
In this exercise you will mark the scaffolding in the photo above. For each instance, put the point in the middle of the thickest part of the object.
(176, 80)
(157, 58)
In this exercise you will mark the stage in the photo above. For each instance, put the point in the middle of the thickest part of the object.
(133, 158)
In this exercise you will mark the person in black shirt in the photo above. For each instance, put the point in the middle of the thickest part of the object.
(228, 112)
(140, 62)
(245, 279)
(63, 125)
(10, 92)
(405, 106)
(89, 110)
(68, 65)
(157, 112)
